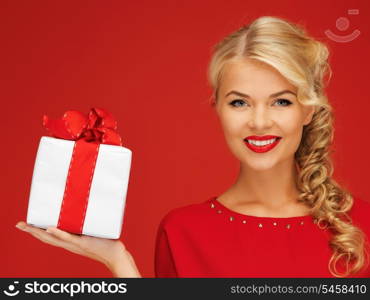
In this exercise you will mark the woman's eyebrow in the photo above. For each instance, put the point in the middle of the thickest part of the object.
(271, 96)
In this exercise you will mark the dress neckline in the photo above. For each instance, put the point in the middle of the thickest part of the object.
(220, 207)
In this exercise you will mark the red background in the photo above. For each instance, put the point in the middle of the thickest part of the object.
(145, 61)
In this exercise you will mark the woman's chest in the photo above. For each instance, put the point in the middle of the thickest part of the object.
(236, 251)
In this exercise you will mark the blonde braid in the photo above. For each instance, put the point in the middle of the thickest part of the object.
(329, 202)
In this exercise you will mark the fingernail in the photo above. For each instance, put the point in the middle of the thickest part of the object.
(21, 227)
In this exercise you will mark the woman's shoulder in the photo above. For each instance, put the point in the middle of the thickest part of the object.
(360, 213)
(185, 214)
(360, 206)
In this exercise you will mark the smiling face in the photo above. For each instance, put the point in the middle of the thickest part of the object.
(254, 99)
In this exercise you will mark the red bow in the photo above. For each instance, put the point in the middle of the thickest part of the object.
(98, 126)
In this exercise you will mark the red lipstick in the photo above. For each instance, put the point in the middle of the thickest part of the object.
(258, 143)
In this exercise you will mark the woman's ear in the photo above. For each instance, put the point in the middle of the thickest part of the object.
(310, 110)
(213, 104)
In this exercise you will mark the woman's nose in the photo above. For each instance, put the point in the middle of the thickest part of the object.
(260, 119)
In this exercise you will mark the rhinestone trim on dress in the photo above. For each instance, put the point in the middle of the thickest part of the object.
(261, 224)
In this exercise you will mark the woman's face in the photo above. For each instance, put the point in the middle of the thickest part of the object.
(256, 101)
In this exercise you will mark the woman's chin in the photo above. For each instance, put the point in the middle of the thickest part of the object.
(260, 166)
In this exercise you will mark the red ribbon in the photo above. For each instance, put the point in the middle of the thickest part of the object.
(98, 126)
(88, 132)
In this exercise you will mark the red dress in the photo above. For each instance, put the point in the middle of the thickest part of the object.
(207, 239)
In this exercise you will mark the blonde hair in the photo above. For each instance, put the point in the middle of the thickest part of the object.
(303, 61)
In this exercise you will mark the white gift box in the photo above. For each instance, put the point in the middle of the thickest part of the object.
(107, 198)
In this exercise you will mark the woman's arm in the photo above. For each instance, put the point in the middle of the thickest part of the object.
(112, 253)
(124, 266)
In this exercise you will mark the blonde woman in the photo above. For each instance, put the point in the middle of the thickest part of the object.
(285, 216)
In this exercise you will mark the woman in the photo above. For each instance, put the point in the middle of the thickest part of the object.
(285, 216)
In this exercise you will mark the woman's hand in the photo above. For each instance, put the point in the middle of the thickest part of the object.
(112, 253)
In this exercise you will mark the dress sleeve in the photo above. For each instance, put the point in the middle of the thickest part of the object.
(360, 214)
(360, 218)
(163, 260)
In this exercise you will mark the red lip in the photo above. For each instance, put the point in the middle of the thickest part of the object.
(265, 148)
(261, 138)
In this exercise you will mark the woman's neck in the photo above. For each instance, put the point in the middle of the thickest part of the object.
(270, 192)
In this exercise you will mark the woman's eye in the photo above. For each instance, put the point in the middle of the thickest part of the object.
(237, 103)
(284, 102)
(240, 102)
